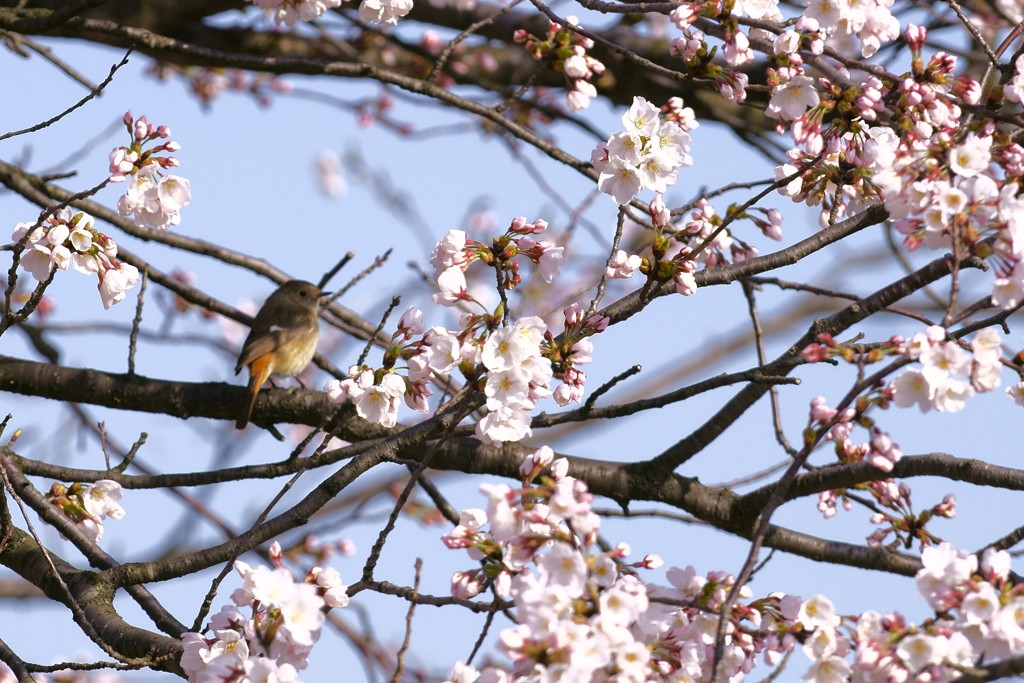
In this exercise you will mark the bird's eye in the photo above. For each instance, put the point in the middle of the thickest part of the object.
(303, 293)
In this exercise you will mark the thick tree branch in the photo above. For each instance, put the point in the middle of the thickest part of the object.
(95, 597)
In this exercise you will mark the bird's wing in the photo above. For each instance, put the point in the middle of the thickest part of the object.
(260, 343)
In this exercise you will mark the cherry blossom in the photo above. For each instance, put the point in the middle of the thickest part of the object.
(65, 240)
(647, 154)
(273, 643)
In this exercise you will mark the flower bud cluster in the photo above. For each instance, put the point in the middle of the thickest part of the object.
(419, 352)
(64, 239)
(152, 198)
(567, 51)
(208, 83)
(454, 254)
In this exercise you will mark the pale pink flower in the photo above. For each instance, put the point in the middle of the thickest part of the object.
(817, 611)
(504, 424)
(921, 650)
(101, 499)
(830, 669)
(642, 118)
(386, 12)
(620, 179)
(451, 284)
(622, 265)
(972, 156)
(115, 281)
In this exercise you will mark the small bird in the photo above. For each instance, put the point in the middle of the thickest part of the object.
(282, 340)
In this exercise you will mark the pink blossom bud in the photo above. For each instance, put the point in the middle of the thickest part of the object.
(820, 410)
(683, 16)
(943, 62)
(127, 118)
(947, 508)
(659, 212)
(559, 468)
(432, 42)
(968, 89)
(573, 314)
(598, 323)
(517, 225)
(562, 395)
(915, 36)
(543, 456)
(576, 67)
(876, 537)
(466, 585)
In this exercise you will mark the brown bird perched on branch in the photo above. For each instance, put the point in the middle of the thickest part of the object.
(282, 340)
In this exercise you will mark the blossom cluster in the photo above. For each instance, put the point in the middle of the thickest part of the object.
(944, 184)
(86, 505)
(152, 198)
(520, 358)
(518, 375)
(64, 239)
(692, 48)
(893, 512)
(880, 451)
(273, 642)
(722, 245)
(585, 614)
(520, 361)
(377, 394)
(288, 12)
(453, 256)
(648, 154)
(207, 83)
(567, 50)
(982, 621)
(949, 375)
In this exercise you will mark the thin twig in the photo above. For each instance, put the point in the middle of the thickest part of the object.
(395, 300)
(603, 282)
(442, 59)
(400, 657)
(607, 386)
(95, 92)
(773, 394)
(334, 271)
(133, 338)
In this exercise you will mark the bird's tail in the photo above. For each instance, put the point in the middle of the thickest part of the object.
(259, 370)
